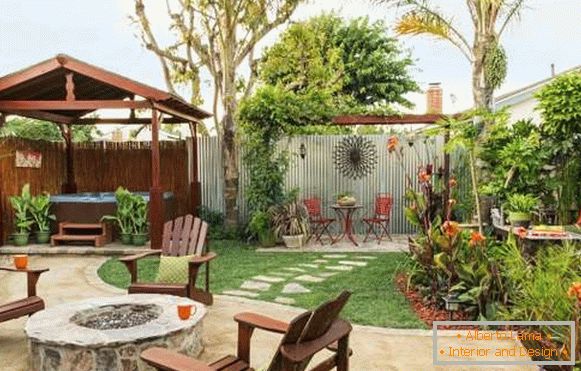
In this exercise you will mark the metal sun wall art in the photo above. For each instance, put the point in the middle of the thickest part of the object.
(355, 157)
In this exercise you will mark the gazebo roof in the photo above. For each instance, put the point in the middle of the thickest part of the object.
(64, 89)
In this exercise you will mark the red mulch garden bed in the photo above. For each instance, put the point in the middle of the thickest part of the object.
(429, 311)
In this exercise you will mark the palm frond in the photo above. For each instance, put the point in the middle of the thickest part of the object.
(419, 22)
(512, 10)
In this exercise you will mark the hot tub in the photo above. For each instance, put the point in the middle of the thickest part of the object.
(91, 207)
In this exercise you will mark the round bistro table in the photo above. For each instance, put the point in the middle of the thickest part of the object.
(345, 213)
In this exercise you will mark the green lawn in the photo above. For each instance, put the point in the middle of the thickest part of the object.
(375, 301)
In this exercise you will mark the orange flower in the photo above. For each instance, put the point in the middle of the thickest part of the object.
(392, 143)
(578, 223)
(451, 229)
(425, 177)
(452, 183)
(575, 290)
(522, 232)
(476, 238)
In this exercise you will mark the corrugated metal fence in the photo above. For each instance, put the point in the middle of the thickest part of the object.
(316, 174)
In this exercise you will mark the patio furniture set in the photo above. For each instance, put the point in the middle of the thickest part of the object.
(127, 331)
(376, 225)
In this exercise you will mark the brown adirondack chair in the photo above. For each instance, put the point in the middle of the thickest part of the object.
(182, 236)
(28, 305)
(303, 337)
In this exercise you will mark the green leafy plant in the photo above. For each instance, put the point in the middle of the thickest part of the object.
(260, 225)
(21, 204)
(40, 212)
(124, 215)
(521, 203)
(139, 215)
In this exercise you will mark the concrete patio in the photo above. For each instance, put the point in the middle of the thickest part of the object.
(74, 277)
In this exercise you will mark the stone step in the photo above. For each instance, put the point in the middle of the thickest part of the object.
(294, 288)
(255, 285)
(350, 262)
(240, 293)
(309, 278)
(339, 267)
(268, 279)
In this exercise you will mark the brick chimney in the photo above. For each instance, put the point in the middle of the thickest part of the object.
(434, 98)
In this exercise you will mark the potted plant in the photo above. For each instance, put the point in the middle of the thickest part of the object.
(520, 207)
(40, 211)
(346, 199)
(260, 225)
(123, 215)
(139, 220)
(291, 222)
(22, 218)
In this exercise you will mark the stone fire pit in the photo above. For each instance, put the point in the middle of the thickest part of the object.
(110, 333)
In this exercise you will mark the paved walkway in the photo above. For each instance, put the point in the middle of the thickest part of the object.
(72, 278)
(398, 242)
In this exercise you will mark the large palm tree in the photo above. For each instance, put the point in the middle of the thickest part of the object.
(490, 19)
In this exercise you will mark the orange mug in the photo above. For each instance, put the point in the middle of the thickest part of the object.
(184, 311)
(20, 261)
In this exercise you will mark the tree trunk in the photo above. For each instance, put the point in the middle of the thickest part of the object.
(229, 146)
(482, 93)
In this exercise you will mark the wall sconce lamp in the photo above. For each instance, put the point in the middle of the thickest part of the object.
(302, 151)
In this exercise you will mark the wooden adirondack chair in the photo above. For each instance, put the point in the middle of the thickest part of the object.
(303, 337)
(182, 236)
(28, 305)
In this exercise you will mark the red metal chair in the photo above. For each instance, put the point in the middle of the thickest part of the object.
(381, 218)
(319, 223)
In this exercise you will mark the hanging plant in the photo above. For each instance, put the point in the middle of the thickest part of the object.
(355, 157)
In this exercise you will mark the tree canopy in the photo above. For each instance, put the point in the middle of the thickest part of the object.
(43, 130)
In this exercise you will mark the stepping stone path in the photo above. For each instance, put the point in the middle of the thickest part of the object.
(281, 274)
(255, 285)
(240, 293)
(335, 256)
(295, 269)
(349, 262)
(268, 279)
(309, 265)
(309, 278)
(339, 267)
(321, 261)
(295, 288)
(327, 274)
(366, 257)
(283, 300)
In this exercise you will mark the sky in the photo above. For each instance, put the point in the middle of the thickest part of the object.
(100, 32)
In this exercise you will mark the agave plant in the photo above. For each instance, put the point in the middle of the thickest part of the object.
(21, 205)
(40, 211)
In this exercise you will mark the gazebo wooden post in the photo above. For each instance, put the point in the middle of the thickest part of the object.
(195, 185)
(70, 185)
(155, 197)
(2, 122)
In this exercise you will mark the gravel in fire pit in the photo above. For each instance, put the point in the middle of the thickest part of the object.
(111, 317)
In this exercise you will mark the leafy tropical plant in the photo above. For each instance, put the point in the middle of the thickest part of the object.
(139, 219)
(521, 203)
(21, 204)
(124, 213)
(40, 212)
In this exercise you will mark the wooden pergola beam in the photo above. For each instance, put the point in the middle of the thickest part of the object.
(175, 113)
(60, 105)
(45, 116)
(127, 121)
(32, 72)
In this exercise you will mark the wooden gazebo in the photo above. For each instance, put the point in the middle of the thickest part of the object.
(65, 90)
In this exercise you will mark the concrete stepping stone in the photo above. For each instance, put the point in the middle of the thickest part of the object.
(294, 269)
(240, 293)
(283, 300)
(281, 274)
(294, 288)
(309, 278)
(366, 257)
(335, 256)
(309, 265)
(255, 285)
(268, 279)
(328, 274)
(320, 261)
(350, 262)
(339, 267)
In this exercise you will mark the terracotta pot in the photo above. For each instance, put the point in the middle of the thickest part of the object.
(20, 261)
(184, 311)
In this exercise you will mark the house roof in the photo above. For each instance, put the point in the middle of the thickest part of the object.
(48, 81)
(404, 119)
(525, 92)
